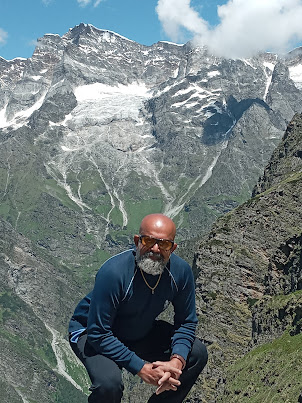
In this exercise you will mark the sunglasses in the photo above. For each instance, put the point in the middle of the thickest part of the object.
(149, 241)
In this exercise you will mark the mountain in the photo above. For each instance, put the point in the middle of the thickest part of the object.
(96, 131)
(249, 286)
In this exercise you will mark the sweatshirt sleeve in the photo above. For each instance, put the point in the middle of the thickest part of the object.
(185, 319)
(106, 296)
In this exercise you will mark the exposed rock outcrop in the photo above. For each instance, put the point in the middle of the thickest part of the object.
(251, 258)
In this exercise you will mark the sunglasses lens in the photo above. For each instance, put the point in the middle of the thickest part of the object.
(148, 241)
(165, 244)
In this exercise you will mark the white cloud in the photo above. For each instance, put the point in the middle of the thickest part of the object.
(3, 37)
(33, 42)
(84, 3)
(97, 2)
(246, 26)
(177, 14)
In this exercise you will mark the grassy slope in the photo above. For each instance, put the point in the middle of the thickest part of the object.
(26, 345)
(271, 372)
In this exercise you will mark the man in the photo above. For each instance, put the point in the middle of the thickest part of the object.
(115, 326)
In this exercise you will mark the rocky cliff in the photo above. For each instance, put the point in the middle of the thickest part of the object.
(249, 282)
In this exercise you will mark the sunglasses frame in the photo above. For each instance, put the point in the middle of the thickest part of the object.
(156, 241)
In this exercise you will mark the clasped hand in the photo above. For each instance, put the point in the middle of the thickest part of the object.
(163, 374)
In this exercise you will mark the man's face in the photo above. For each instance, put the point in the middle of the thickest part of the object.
(151, 253)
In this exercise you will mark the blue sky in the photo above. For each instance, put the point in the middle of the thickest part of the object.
(241, 27)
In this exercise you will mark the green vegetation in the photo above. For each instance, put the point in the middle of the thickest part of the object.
(26, 341)
(237, 198)
(291, 179)
(90, 265)
(78, 373)
(51, 187)
(279, 301)
(251, 301)
(269, 373)
(66, 392)
(9, 394)
(18, 324)
(136, 210)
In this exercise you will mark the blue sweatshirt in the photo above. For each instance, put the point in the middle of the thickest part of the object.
(122, 308)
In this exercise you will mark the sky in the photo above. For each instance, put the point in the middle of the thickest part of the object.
(230, 28)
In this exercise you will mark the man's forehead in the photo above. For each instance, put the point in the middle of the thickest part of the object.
(158, 222)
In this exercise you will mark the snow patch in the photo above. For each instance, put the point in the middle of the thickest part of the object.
(295, 74)
(172, 43)
(176, 71)
(3, 121)
(213, 73)
(208, 114)
(270, 66)
(248, 63)
(189, 102)
(107, 37)
(28, 112)
(14, 59)
(182, 92)
(54, 35)
(69, 149)
(269, 76)
(101, 91)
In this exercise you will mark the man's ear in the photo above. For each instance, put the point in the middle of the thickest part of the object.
(174, 247)
(136, 239)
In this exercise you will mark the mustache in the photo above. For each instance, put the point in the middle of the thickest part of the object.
(147, 255)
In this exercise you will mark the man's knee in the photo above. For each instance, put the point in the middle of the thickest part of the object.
(199, 355)
(110, 389)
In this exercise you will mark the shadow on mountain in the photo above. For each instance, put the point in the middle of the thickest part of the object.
(218, 126)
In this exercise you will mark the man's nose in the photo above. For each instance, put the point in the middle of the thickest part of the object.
(155, 248)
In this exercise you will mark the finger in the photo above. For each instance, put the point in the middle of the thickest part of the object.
(164, 387)
(167, 367)
(158, 363)
(164, 378)
(174, 382)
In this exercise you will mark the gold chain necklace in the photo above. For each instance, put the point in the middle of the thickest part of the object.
(148, 285)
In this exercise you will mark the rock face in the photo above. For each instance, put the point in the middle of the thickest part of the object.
(286, 158)
(97, 131)
(249, 272)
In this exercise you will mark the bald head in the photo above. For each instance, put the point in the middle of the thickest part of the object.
(158, 224)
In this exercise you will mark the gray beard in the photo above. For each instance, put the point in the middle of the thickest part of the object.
(148, 265)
